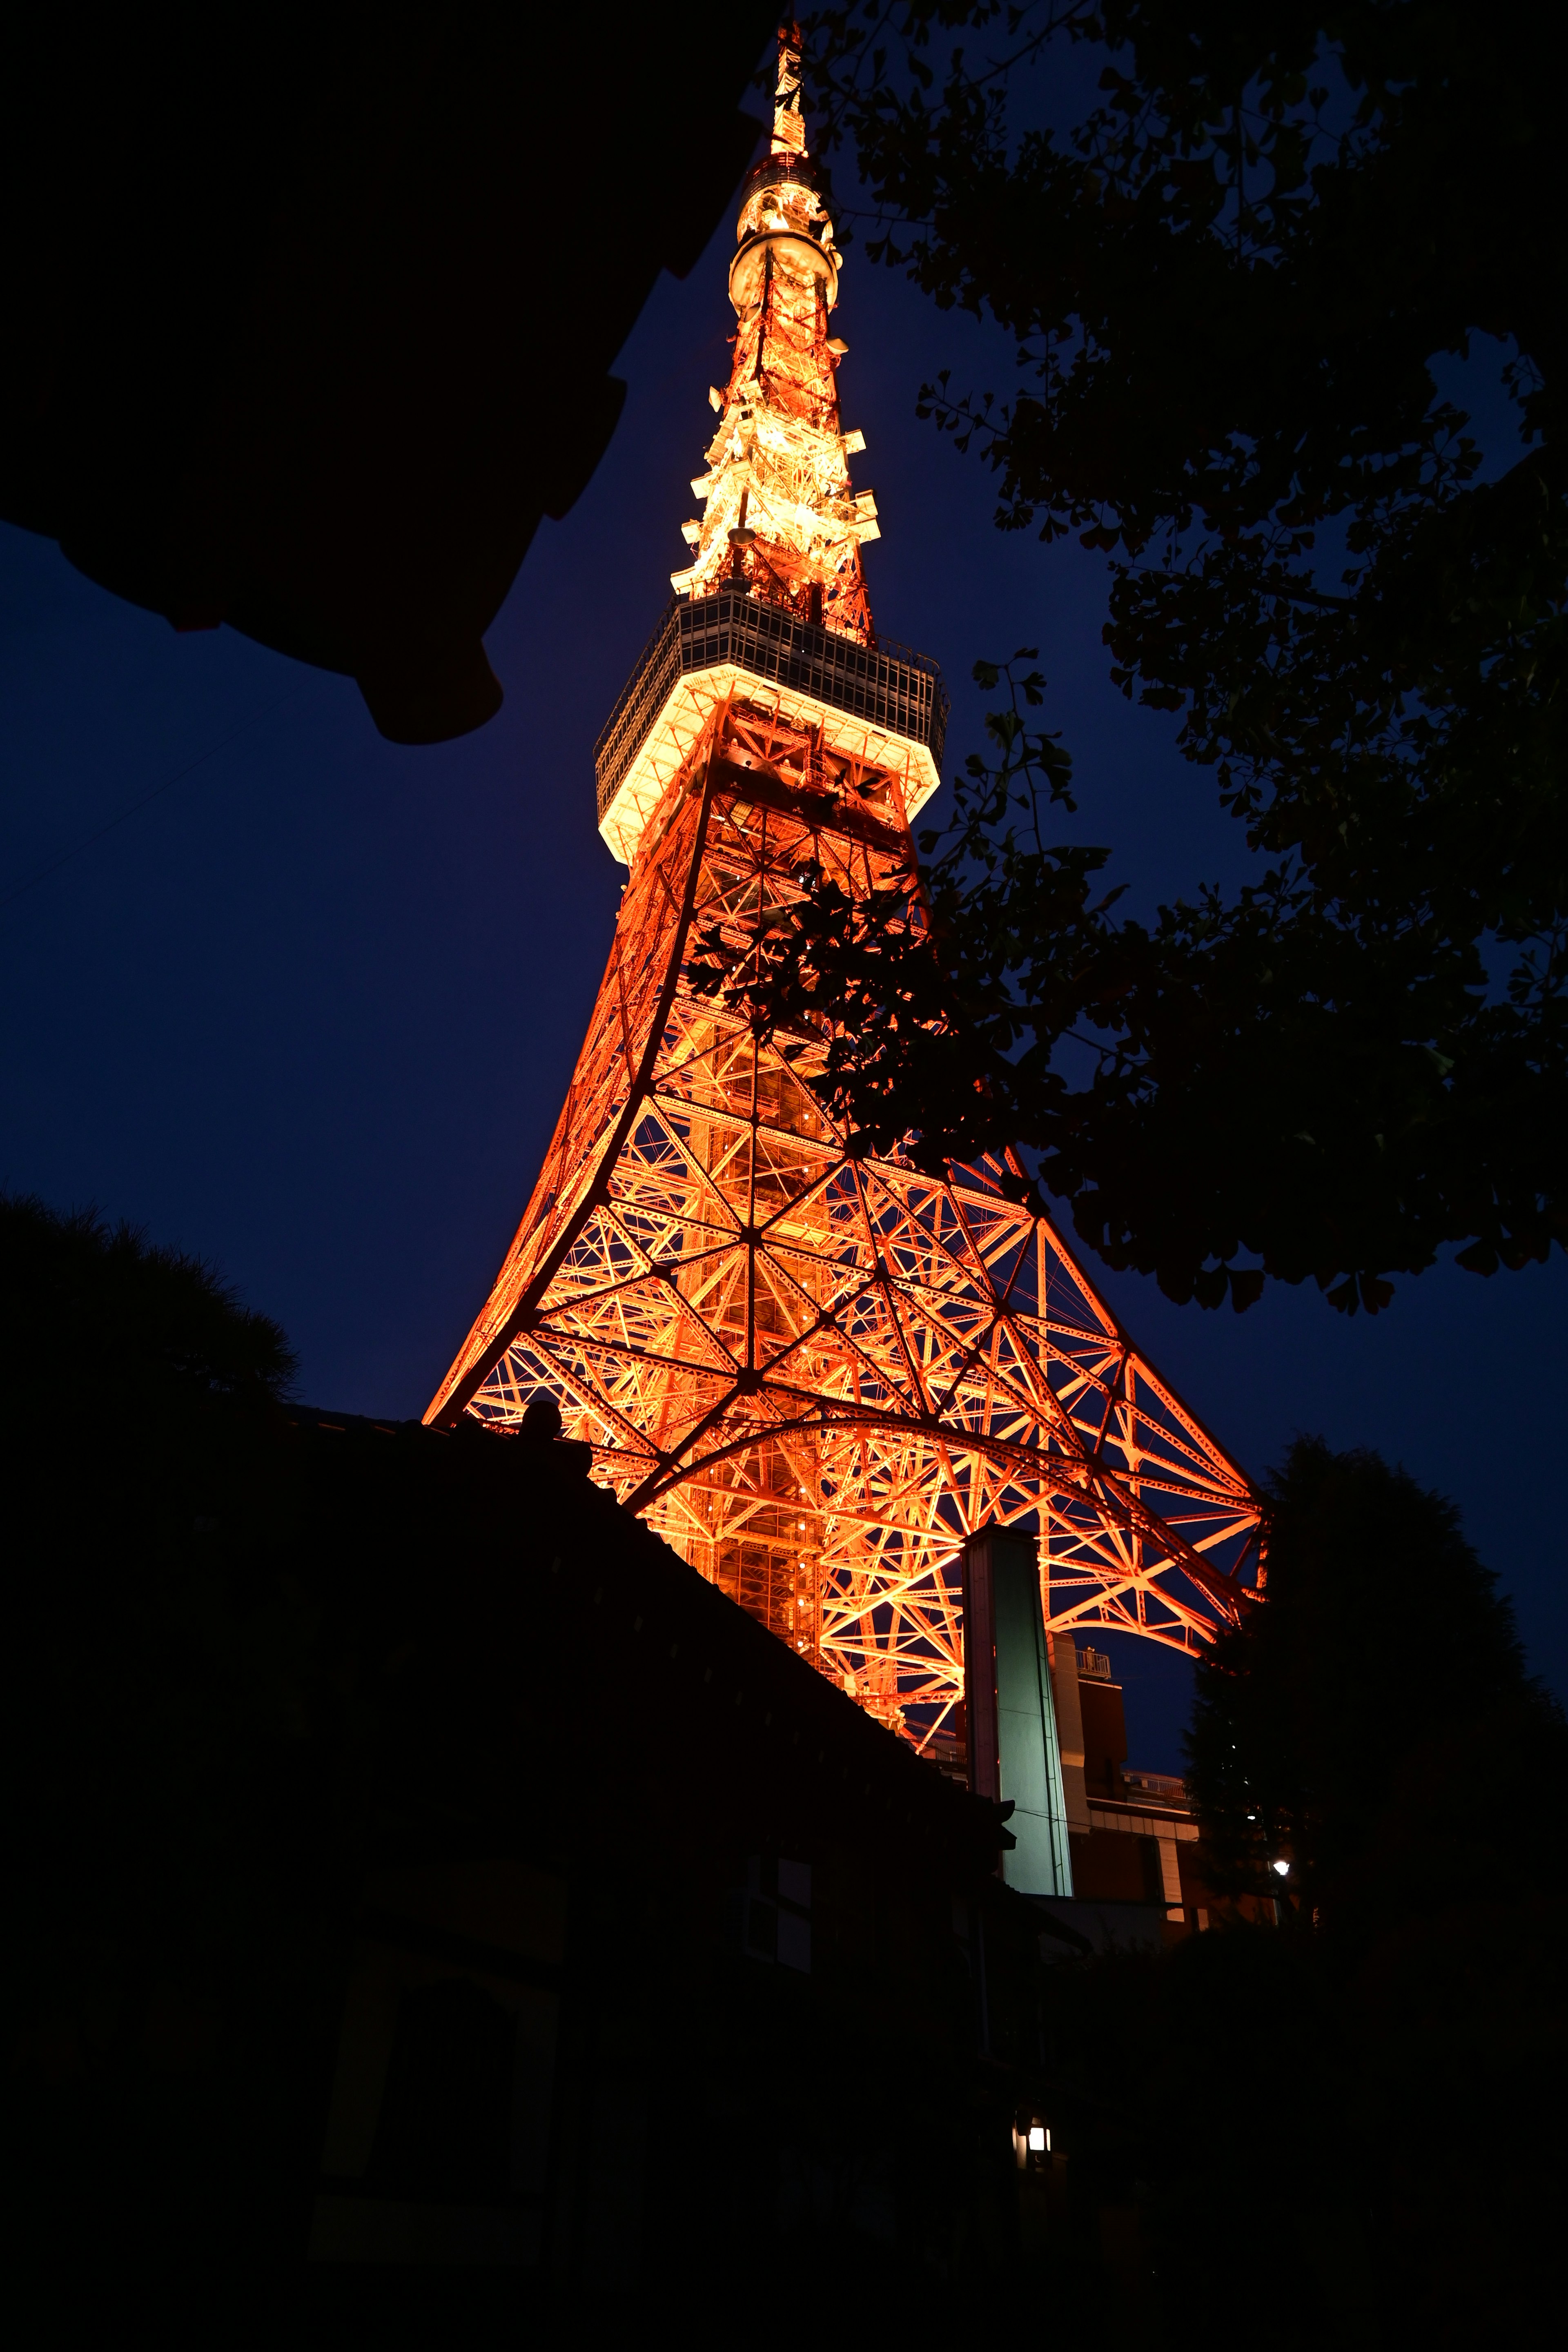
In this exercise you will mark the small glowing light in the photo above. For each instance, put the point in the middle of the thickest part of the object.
(1283, 1868)
(1037, 2139)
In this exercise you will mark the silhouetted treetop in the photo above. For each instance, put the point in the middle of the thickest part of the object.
(1383, 1645)
(88, 1308)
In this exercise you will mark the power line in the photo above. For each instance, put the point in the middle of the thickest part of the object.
(167, 785)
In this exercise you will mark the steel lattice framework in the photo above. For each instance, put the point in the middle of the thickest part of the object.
(815, 1373)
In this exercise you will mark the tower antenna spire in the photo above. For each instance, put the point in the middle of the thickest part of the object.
(789, 122)
(779, 518)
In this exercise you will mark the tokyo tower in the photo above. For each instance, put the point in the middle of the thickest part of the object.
(816, 1375)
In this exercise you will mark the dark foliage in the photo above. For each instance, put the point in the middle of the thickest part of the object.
(1230, 280)
(1348, 2122)
(81, 1300)
(1383, 1640)
(155, 1991)
(1356, 2147)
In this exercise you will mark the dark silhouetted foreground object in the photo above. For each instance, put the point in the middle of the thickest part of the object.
(309, 310)
(430, 1896)
(433, 1910)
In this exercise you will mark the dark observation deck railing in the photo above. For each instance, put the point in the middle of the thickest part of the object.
(885, 684)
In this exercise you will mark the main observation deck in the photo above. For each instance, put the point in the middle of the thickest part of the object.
(886, 704)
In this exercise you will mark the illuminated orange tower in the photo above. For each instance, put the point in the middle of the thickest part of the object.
(814, 1374)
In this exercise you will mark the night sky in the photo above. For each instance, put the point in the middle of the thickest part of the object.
(310, 1012)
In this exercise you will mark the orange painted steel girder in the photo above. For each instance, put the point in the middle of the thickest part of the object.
(814, 1374)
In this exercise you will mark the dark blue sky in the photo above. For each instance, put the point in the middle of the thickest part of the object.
(310, 1011)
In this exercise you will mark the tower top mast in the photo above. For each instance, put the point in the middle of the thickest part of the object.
(773, 599)
(789, 122)
(779, 518)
